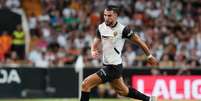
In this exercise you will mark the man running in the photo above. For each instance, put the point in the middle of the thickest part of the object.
(112, 35)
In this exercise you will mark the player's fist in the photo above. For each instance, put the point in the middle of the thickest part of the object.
(95, 54)
(152, 60)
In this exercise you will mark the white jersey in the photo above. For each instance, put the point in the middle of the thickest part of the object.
(113, 39)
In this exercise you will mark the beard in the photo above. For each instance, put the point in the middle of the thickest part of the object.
(108, 23)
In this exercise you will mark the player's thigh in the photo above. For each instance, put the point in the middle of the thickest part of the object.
(91, 81)
(119, 85)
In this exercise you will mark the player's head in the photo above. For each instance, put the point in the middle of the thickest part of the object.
(110, 15)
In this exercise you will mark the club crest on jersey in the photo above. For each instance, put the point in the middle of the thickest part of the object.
(114, 34)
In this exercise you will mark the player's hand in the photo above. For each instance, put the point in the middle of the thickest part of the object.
(95, 54)
(152, 61)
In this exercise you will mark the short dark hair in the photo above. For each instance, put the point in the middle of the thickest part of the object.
(113, 8)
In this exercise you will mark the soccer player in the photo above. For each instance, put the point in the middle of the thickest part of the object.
(112, 35)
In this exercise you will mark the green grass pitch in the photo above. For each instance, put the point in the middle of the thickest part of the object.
(78, 100)
(64, 100)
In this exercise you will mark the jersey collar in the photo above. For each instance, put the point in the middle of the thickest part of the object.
(114, 25)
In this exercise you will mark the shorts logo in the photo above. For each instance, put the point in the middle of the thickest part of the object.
(103, 72)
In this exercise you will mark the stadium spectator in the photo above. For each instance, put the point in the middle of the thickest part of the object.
(18, 42)
(13, 60)
(5, 44)
(12, 3)
(169, 26)
(166, 62)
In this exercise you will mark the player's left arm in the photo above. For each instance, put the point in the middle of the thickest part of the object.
(150, 58)
(129, 34)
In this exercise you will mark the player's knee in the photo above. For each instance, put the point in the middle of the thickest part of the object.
(85, 86)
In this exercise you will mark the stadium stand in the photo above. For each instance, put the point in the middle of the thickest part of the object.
(60, 30)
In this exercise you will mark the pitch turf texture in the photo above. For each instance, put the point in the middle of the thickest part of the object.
(78, 100)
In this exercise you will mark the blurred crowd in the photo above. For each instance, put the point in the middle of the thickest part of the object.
(66, 28)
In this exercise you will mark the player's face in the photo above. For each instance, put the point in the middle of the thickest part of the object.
(110, 17)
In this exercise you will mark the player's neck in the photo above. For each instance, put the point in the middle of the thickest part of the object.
(114, 24)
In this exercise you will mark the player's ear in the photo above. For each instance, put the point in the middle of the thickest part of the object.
(115, 14)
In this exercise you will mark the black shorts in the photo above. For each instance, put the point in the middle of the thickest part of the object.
(110, 72)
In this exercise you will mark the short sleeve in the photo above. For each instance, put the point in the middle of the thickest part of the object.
(98, 35)
(127, 33)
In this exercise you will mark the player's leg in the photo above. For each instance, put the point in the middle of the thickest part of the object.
(121, 88)
(88, 83)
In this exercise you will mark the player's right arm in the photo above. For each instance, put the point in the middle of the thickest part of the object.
(94, 47)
